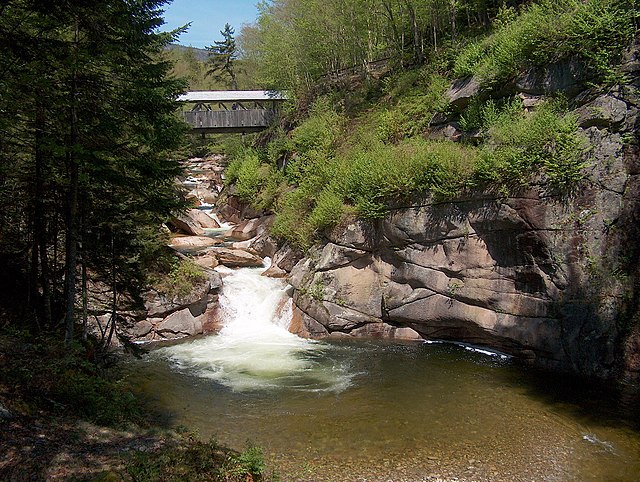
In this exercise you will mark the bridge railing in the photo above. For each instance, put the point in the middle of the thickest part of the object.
(230, 119)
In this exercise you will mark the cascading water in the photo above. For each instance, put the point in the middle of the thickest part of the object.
(255, 350)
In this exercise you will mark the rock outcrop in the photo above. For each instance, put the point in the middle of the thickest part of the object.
(551, 279)
(193, 222)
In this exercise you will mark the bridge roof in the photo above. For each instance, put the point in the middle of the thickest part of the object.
(233, 96)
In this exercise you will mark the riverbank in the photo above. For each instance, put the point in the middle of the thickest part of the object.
(63, 417)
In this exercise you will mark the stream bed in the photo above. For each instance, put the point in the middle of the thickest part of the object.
(370, 410)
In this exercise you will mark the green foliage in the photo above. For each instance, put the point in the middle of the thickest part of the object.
(255, 182)
(48, 376)
(249, 176)
(521, 144)
(549, 31)
(195, 460)
(250, 461)
(179, 281)
(320, 132)
(365, 176)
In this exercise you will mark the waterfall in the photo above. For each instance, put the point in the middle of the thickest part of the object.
(254, 349)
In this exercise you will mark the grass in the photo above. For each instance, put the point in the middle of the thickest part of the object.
(195, 460)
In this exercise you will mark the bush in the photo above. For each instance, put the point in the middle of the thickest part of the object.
(596, 31)
(48, 376)
(520, 144)
(320, 132)
(180, 279)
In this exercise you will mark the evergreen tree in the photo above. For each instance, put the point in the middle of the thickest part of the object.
(88, 130)
(223, 55)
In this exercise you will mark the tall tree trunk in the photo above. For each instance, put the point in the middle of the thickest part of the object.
(453, 13)
(114, 291)
(83, 264)
(415, 29)
(39, 227)
(71, 253)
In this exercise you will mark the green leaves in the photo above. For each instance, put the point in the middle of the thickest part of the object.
(222, 58)
(596, 31)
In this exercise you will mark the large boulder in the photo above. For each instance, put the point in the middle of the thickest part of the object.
(203, 219)
(462, 91)
(185, 223)
(192, 242)
(160, 305)
(236, 257)
(179, 324)
(245, 230)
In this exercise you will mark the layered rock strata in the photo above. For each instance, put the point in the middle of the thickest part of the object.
(551, 279)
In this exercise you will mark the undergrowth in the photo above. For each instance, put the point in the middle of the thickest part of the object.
(367, 172)
(548, 31)
(42, 374)
(177, 279)
(195, 460)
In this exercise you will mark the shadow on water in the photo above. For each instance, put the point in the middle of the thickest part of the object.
(598, 402)
(422, 408)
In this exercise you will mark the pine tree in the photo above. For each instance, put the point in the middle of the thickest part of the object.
(88, 131)
(222, 58)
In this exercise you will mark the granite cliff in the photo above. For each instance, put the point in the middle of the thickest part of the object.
(550, 278)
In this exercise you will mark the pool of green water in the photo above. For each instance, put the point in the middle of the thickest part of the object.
(374, 411)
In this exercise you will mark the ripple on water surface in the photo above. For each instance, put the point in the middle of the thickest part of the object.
(377, 411)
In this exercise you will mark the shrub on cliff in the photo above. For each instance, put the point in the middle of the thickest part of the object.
(596, 31)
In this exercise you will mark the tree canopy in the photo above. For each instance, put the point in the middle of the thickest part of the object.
(223, 55)
(88, 130)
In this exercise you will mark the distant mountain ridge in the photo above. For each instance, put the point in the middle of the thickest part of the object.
(201, 54)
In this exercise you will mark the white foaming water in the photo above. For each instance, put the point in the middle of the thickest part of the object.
(254, 349)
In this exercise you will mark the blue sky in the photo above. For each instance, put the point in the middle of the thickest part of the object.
(208, 18)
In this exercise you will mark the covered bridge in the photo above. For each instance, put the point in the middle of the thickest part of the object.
(228, 111)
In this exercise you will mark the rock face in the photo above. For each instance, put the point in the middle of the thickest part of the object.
(548, 279)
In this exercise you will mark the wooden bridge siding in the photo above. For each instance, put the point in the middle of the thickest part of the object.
(229, 119)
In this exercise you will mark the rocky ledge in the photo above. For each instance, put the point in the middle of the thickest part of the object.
(550, 279)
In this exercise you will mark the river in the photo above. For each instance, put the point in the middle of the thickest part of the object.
(369, 410)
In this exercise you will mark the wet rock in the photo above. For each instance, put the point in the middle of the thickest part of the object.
(211, 320)
(192, 242)
(142, 328)
(274, 272)
(215, 279)
(236, 257)
(250, 228)
(203, 219)
(178, 324)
